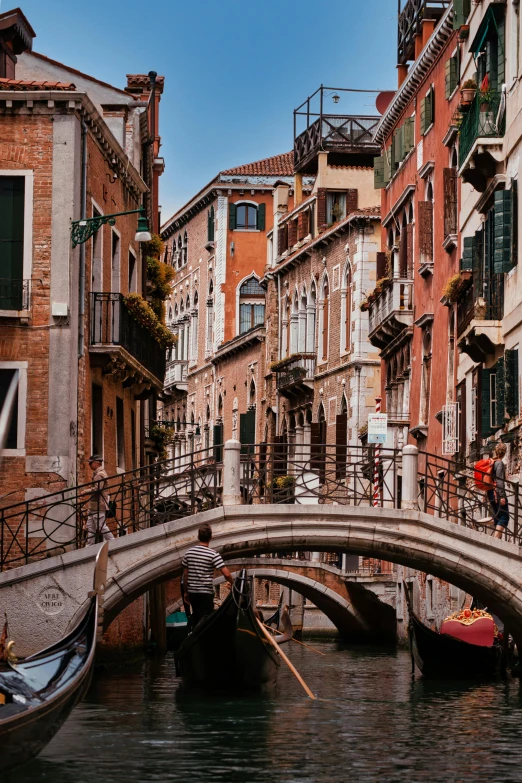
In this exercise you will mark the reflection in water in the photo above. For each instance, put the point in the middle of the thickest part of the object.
(370, 723)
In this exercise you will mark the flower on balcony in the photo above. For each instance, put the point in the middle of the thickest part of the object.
(143, 313)
(282, 363)
(364, 306)
(452, 288)
(161, 437)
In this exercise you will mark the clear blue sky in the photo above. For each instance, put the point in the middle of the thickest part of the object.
(234, 70)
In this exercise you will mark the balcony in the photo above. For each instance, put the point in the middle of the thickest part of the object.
(122, 345)
(295, 375)
(15, 298)
(414, 13)
(176, 375)
(480, 140)
(391, 312)
(479, 314)
(337, 134)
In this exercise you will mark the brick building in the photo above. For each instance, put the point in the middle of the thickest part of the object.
(217, 243)
(73, 147)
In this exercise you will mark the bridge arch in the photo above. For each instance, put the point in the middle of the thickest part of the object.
(488, 568)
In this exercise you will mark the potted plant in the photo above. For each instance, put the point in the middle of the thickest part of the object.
(452, 289)
(468, 90)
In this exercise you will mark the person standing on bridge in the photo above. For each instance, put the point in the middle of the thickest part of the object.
(98, 503)
(199, 565)
(497, 497)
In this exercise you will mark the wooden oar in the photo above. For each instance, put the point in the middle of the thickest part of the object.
(298, 642)
(286, 660)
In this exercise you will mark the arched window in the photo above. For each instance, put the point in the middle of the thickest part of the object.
(294, 325)
(346, 309)
(246, 216)
(426, 378)
(310, 319)
(319, 449)
(325, 318)
(341, 440)
(301, 339)
(185, 249)
(170, 313)
(195, 326)
(252, 394)
(210, 318)
(251, 305)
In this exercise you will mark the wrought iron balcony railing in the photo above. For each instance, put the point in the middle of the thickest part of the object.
(483, 300)
(112, 326)
(410, 24)
(296, 371)
(15, 294)
(486, 118)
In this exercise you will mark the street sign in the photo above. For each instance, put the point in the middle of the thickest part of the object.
(377, 427)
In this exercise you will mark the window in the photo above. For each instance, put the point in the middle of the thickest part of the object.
(426, 378)
(15, 443)
(488, 48)
(461, 9)
(13, 242)
(246, 216)
(210, 317)
(335, 207)
(452, 75)
(115, 262)
(96, 419)
(427, 111)
(426, 228)
(184, 250)
(210, 224)
(195, 325)
(251, 305)
(310, 320)
(324, 312)
(346, 310)
(120, 434)
(133, 276)
(385, 165)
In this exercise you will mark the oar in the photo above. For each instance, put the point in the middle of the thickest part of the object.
(286, 660)
(298, 642)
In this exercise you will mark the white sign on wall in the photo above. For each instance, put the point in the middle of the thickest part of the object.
(377, 427)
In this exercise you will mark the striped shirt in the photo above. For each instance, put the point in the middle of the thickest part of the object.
(201, 562)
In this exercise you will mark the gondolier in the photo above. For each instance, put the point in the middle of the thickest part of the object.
(199, 565)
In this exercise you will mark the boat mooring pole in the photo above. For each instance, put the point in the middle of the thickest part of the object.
(286, 660)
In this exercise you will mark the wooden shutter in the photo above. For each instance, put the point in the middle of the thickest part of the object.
(378, 172)
(468, 253)
(426, 231)
(247, 430)
(302, 224)
(381, 265)
(261, 211)
(409, 134)
(447, 78)
(409, 250)
(218, 442)
(511, 400)
(485, 398)
(282, 239)
(450, 201)
(210, 226)
(423, 125)
(498, 370)
(292, 233)
(232, 217)
(387, 165)
(341, 440)
(321, 207)
(430, 108)
(502, 254)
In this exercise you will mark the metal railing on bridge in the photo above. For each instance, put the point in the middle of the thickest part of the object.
(270, 473)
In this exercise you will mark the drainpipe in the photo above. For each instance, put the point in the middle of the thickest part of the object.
(279, 352)
(83, 215)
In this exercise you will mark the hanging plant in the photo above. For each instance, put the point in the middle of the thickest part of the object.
(143, 313)
(452, 289)
(154, 248)
(161, 437)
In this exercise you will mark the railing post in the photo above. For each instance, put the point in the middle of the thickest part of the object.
(410, 468)
(232, 473)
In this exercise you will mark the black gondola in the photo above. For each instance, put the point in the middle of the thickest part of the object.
(439, 655)
(227, 650)
(38, 693)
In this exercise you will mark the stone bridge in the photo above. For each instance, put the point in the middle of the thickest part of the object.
(43, 598)
(350, 602)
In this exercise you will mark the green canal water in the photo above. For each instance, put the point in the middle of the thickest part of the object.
(370, 723)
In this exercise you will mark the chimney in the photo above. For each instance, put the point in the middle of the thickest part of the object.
(16, 37)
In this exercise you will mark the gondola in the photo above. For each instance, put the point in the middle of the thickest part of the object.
(227, 650)
(38, 693)
(439, 655)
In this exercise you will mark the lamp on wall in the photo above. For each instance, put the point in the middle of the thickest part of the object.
(82, 230)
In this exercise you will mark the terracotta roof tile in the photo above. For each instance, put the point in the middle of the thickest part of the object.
(278, 165)
(18, 84)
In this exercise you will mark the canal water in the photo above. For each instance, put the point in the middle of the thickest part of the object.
(370, 723)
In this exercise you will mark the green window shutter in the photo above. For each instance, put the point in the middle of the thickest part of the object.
(500, 388)
(461, 9)
(501, 50)
(423, 125)
(378, 172)
(447, 78)
(454, 72)
(409, 134)
(218, 442)
(511, 401)
(387, 165)
(247, 430)
(210, 226)
(232, 217)
(400, 144)
(430, 108)
(261, 210)
(502, 253)
(468, 252)
(486, 402)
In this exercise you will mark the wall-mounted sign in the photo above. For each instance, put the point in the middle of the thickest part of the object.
(377, 427)
(51, 600)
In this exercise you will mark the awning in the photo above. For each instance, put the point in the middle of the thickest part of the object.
(488, 24)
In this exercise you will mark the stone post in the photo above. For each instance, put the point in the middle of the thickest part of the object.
(232, 473)
(410, 469)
